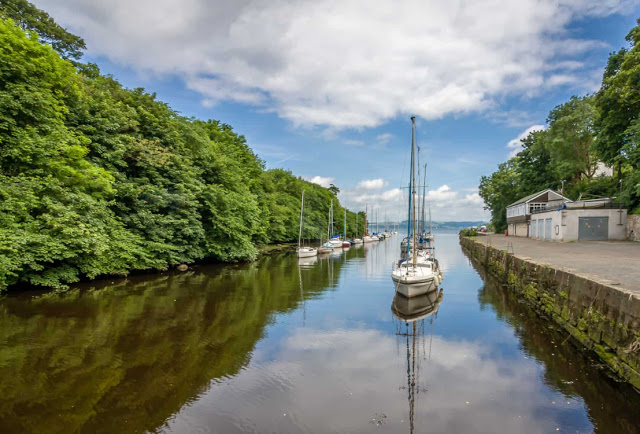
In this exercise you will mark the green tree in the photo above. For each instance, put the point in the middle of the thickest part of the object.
(499, 190)
(570, 138)
(30, 18)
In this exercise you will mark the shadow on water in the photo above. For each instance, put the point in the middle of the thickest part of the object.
(612, 406)
(126, 356)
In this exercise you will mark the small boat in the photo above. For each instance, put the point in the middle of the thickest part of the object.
(326, 248)
(301, 251)
(357, 241)
(337, 243)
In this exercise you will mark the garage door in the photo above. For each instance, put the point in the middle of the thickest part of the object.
(547, 230)
(593, 228)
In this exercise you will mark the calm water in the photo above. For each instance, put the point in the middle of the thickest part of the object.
(278, 346)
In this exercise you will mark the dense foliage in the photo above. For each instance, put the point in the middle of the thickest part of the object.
(582, 132)
(96, 179)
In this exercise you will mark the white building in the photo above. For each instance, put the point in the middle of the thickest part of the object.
(598, 219)
(519, 212)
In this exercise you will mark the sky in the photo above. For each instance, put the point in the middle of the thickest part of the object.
(326, 88)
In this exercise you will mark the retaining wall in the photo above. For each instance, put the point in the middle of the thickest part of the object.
(605, 319)
(633, 227)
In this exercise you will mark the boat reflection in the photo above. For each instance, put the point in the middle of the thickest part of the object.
(413, 313)
(417, 308)
(307, 262)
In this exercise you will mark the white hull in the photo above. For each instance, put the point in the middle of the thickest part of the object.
(306, 252)
(410, 288)
(337, 244)
(369, 239)
(357, 241)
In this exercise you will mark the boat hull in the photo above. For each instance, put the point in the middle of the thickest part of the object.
(306, 252)
(414, 289)
(324, 250)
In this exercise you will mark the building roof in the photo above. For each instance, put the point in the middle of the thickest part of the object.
(533, 196)
(528, 198)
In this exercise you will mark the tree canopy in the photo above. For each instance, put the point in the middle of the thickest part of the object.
(96, 179)
(30, 18)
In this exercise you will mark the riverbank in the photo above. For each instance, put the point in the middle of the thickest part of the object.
(591, 289)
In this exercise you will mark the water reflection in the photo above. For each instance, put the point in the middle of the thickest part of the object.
(413, 313)
(284, 346)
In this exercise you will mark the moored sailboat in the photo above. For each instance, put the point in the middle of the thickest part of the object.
(302, 251)
(416, 275)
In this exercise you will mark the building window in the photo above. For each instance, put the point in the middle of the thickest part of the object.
(534, 207)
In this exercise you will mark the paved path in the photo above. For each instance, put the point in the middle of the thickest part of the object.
(615, 263)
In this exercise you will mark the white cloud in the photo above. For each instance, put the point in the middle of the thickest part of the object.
(384, 138)
(460, 386)
(371, 184)
(335, 63)
(516, 145)
(323, 181)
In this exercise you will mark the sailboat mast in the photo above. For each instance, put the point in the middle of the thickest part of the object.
(424, 196)
(344, 235)
(301, 214)
(331, 231)
(413, 185)
(410, 195)
(419, 225)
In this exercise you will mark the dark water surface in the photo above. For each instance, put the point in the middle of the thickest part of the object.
(278, 346)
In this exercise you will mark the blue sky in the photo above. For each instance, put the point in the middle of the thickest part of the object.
(325, 88)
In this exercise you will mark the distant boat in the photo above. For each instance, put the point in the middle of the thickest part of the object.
(357, 240)
(304, 252)
(345, 243)
(326, 248)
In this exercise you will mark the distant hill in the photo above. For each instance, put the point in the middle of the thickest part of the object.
(438, 225)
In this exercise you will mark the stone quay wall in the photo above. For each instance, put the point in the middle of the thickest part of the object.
(603, 318)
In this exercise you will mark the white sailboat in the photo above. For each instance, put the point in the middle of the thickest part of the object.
(357, 240)
(304, 252)
(367, 238)
(337, 242)
(414, 276)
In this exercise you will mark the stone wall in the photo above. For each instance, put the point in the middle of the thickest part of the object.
(633, 227)
(605, 319)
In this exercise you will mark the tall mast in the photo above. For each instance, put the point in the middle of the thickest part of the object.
(419, 221)
(413, 189)
(301, 211)
(424, 197)
(356, 225)
(344, 236)
(331, 232)
(366, 227)
(410, 181)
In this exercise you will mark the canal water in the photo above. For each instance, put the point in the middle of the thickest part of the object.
(283, 345)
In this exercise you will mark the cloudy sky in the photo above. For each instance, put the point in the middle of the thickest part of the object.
(325, 88)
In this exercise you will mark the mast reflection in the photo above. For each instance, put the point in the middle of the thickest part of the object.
(413, 314)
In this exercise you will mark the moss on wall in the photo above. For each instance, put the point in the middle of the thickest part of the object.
(604, 319)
